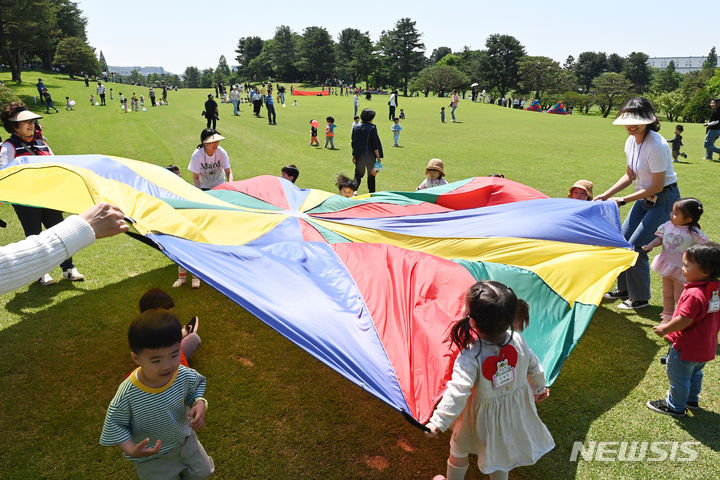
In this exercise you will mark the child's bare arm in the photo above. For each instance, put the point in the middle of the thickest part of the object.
(657, 241)
(675, 325)
(141, 449)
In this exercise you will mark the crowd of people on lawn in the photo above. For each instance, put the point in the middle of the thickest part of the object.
(158, 407)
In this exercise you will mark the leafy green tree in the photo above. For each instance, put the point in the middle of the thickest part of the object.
(666, 80)
(450, 60)
(103, 63)
(317, 54)
(402, 51)
(206, 78)
(222, 72)
(637, 71)
(260, 67)
(363, 59)
(694, 81)
(20, 23)
(611, 89)
(438, 54)
(539, 74)
(711, 61)
(500, 66)
(347, 39)
(569, 63)
(247, 49)
(77, 56)
(713, 85)
(615, 63)
(698, 108)
(440, 79)
(669, 103)
(173, 79)
(575, 101)
(284, 53)
(135, 77)
(191, 77)
(67, 22)
(588, 66)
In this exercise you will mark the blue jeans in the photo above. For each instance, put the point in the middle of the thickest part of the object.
(709, 145)
(685, 380)
(452, 112)
(639, 229)
(235, 107)
(271, 113)
(282, 97)
(396, 137)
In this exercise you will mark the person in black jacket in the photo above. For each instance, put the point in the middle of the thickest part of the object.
(211, 111)
(366, 149)
(712, 127)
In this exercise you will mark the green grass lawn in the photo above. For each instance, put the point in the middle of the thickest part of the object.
(275, 412)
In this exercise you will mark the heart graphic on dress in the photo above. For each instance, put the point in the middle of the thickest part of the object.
(489, 366)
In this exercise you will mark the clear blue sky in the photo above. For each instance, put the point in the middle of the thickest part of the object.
(175, 34)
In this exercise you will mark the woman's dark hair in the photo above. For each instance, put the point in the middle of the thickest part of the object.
(207, 132)
(330, 119)
(367, 115)
(12, 109)
(641, 107)
(154, 328)
(494, 308)
(707, 257)
(691, 208)
(343, 182)
(156, 298)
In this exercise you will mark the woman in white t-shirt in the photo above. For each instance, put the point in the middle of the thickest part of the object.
(210, 164)
(649, 167)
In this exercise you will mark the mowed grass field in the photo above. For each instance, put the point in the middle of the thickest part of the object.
(275, 412)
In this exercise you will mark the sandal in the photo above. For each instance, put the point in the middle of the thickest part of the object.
(192, 326)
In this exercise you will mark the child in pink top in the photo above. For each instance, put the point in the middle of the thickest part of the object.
(676, 236)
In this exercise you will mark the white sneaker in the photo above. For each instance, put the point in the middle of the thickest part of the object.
(178, 283)
(46, 280)
(195, 282)
(73, 275)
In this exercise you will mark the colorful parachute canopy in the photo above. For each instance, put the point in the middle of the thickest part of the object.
(534, 106)
(368, 285)
(558, 109)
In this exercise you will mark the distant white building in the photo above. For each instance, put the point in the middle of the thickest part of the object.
(144, 71)
(682, 64)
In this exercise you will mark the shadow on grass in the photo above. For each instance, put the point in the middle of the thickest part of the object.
(276, 411)
(608, 363)
(703, 425)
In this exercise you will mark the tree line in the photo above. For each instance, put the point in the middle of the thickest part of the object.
(51, 34)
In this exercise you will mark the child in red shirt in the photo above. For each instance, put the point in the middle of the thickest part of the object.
(693, 329)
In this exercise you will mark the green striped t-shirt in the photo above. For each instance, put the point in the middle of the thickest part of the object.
(141, 412)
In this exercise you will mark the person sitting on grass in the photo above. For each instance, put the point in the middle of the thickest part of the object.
(693, 330)
(346, 187)
(157, 298)
(160, 400)
(290, 172)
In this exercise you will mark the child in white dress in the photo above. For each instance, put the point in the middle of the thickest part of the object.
(490, 400)
(676, 236)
